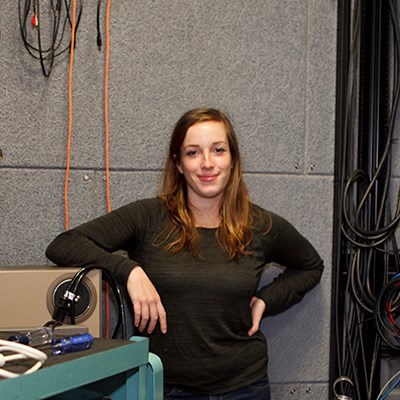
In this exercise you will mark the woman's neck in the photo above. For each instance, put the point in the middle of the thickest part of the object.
(203, 221)
(206, 216)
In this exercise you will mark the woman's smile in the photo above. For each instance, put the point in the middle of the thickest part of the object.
(208, 178)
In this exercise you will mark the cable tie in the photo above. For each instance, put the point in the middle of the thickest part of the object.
(69, 295)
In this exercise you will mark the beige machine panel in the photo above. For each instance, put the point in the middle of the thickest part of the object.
(28, 296)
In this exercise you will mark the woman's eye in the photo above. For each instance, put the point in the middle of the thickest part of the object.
(191, 152)
(219, 149)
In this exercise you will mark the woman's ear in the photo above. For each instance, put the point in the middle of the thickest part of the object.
(178, 164)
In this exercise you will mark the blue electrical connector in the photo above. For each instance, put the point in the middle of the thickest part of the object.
(71, 344)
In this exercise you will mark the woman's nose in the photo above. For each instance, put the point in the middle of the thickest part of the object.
(207, 161)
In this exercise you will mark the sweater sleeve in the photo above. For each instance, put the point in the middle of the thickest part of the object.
(302, 267)
(97, 242)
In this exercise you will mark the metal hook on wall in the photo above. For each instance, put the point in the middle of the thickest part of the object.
(341, 380)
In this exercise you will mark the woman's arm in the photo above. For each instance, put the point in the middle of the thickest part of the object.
(302, 267)
(95, 243)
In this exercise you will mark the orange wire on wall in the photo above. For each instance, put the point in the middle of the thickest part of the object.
(71, 63)
(106, 103)
(107, 305)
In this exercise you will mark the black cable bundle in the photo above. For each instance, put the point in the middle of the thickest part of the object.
(387, 313)
(366, 252)
(30, 14)
(363, 185)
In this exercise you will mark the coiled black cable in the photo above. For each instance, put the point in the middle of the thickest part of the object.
(65, 304)
(60, 16)
(387, 313)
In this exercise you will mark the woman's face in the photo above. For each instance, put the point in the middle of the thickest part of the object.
(205, 161)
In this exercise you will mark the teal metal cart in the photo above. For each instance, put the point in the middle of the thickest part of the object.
(109, 370)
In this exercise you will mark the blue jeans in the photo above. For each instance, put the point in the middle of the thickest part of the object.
(259, 390)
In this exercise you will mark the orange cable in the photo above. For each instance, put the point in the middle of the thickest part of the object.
(107, 58)
(71, 62)
(106, 103)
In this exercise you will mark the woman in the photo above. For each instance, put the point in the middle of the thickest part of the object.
(195, 257)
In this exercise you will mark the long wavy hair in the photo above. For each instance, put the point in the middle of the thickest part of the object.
(234, 233)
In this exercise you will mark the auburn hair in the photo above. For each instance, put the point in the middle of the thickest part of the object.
(233, 233)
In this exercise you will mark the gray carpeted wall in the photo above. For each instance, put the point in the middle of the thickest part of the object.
(270, 65)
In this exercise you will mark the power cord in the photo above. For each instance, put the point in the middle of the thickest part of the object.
(66, 303)
(19, 352)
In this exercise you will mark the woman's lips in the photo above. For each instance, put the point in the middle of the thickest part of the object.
(207, 178)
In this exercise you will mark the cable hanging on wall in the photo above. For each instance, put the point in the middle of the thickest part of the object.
(34, 23)
(366, 253)
(74, 22)
(62, 13)
(106, 125)
(70, 117)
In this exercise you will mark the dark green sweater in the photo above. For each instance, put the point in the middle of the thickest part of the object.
(207, 348)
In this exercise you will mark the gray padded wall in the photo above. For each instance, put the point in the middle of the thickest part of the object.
(271, 65)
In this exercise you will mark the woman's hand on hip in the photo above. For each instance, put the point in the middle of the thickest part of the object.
(147, 306)
(257, 311)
